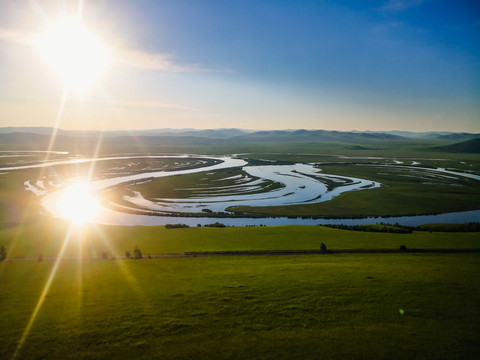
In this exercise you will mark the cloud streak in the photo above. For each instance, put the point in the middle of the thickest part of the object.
(161, 62)
(145, 105)
(400, 5)
(132, 58)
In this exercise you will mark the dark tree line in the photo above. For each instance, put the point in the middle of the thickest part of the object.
(217, 224)
(404, 229)
(397, 229)
(176, 226)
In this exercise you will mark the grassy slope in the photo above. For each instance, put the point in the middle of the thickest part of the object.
(468, 146)
(47, 238)
(296, 307)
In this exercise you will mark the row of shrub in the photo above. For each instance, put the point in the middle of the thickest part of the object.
(180, 226)
(403, 229)
(176, 226)
(384, 228)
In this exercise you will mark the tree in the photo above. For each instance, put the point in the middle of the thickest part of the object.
(323, 247)
(137, 254)
(127, 254)
(3, 253)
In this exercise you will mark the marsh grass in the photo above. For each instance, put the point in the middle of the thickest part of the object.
(401, 194)
(207, 183)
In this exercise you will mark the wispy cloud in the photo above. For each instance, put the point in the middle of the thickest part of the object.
(133, 58)
(145, 105)
(162, 62)
(400, 5)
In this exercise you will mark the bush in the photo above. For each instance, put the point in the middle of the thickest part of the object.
(323, 247)
(217, 224)
(176, 226)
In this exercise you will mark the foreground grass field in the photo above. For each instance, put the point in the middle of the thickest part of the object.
(351, 306)
(47, 237)
(394, 306)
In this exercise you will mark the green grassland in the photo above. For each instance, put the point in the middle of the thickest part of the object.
(462, 162)
(331, 306)
(392, 306)
(47, 237)
(186, 186)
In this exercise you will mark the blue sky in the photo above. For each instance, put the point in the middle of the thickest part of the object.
(349, 65)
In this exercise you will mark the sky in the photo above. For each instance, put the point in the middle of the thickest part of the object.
(381, 65)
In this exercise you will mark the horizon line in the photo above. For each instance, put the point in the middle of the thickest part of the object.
(234, 128)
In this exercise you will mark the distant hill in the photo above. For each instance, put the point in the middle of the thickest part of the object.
(41, 141)
(433, 135)
(139, 141)
(469, 146)
(458, 136)
(313, 135)
(86, 143)
(207, 133)
(253, 135)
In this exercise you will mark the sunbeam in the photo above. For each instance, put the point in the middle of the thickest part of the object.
(58, 120)
(121, 264)
(43, 295)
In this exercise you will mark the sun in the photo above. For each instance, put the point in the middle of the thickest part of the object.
(74, 53)
(78, 204)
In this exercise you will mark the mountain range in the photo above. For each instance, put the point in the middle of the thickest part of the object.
(38, 138)
(255, 135)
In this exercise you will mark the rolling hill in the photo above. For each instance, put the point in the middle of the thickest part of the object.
(469, 146)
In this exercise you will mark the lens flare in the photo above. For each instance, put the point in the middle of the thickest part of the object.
(78, 204)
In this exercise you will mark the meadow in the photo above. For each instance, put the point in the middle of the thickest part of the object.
(90, 241)
(68, 292)
(352, 306)
(395, 306)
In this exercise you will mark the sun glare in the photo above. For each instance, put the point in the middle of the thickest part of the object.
(75, 54)
(78, 204)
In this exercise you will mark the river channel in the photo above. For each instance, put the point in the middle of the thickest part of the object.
(300, 182)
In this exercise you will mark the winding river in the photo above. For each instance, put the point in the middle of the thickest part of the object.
(300, 182)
